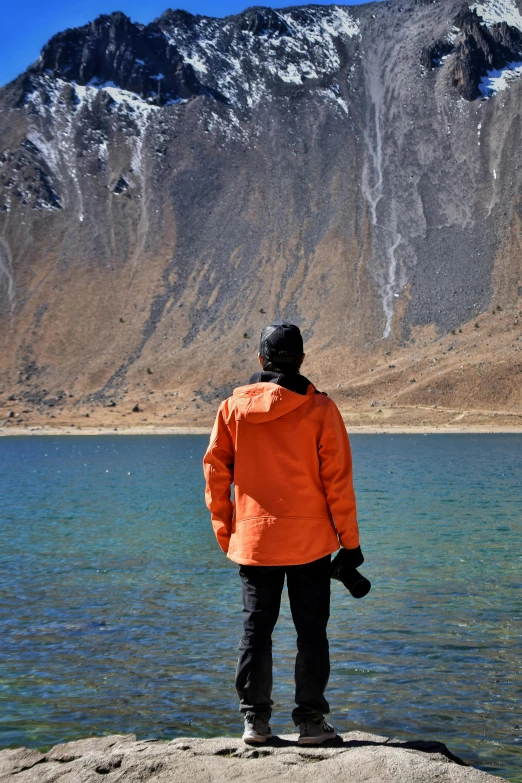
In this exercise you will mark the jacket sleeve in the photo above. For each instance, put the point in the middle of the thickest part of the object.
(336, 474)
(218, 466)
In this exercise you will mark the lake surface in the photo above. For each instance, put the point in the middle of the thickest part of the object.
(118, 612)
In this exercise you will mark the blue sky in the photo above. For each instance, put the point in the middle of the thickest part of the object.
(28, 24)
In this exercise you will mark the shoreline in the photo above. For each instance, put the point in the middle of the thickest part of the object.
(361, 430)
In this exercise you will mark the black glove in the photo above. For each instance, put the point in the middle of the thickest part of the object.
(344, 568)
(346, 557)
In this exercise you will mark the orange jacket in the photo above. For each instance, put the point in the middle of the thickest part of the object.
(288, 456)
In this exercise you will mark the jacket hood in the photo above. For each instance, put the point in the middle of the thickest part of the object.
(259, 402)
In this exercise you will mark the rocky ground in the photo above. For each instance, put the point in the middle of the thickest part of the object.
(468, 379)
(355, 757)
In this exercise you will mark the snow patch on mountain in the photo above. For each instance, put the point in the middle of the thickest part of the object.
(241, 64)
(335, 22)
(291, 74)
(47, 95)
(48, 149)
(498, 11)
(499, 79)
(87, 93)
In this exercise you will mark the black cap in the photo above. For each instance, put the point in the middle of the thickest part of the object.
(281, 342)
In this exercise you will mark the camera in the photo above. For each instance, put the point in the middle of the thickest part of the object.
(343, 568)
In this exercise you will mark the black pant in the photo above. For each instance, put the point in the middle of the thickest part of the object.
(309, 594)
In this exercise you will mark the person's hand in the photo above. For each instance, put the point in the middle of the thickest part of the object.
(352, 558)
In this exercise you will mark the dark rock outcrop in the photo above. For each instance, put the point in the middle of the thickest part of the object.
(432, 55)
(26, 180)
(263, 21)
(113, 50)
(480, 49)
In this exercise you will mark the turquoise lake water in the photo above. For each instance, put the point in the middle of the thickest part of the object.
(118, 612)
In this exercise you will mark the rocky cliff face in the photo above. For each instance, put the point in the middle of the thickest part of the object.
(167, 189)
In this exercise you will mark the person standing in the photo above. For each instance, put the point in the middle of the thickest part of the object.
(284, 447)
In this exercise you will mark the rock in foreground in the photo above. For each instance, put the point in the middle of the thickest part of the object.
(354, 757)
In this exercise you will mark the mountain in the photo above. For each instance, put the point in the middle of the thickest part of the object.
(168, 189)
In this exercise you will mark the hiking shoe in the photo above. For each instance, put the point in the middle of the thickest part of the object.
(256, 730)
(315, 732)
